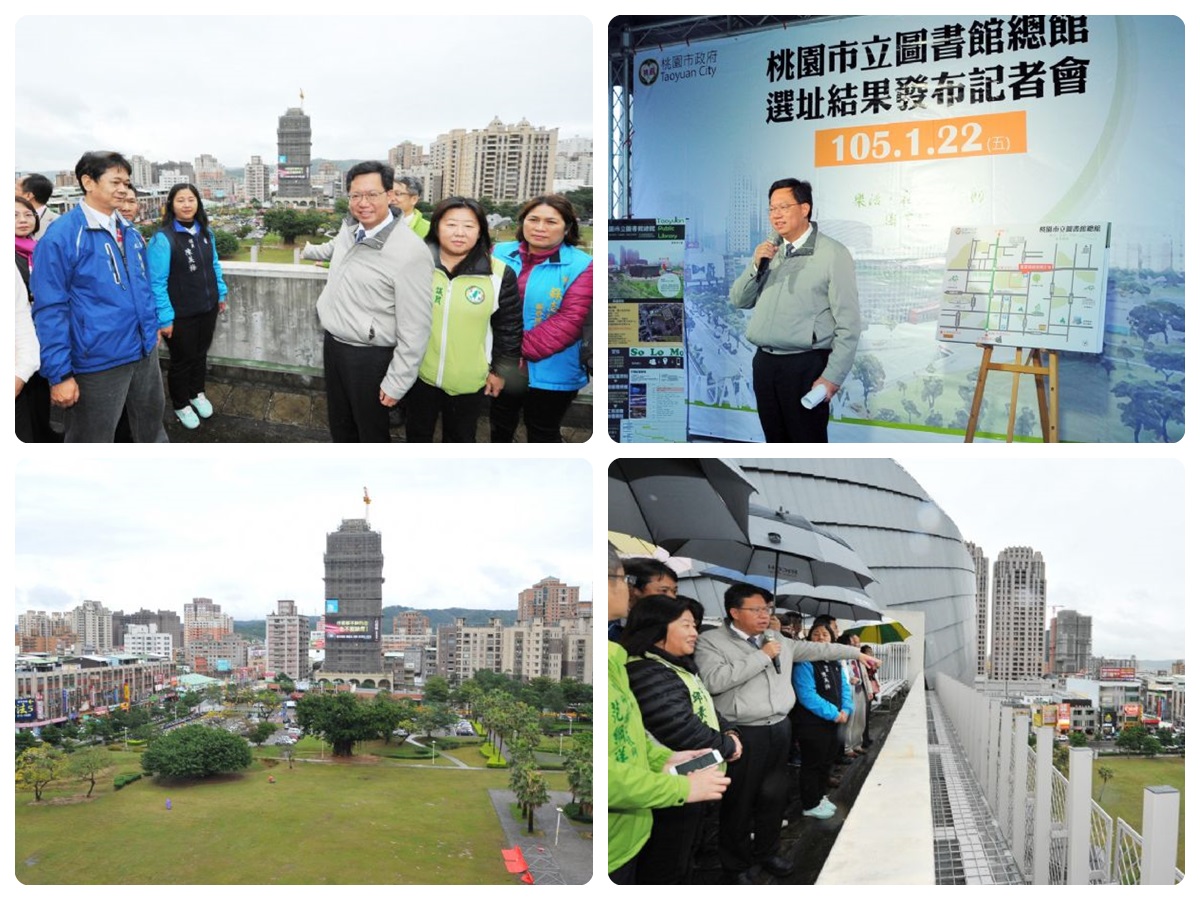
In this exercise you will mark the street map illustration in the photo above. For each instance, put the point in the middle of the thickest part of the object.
(1029, 286)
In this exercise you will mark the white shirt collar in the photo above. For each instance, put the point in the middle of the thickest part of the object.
(99, 220)
(799, 242)
(378, 228)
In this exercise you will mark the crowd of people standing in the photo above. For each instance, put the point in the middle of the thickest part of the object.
(428, 313)
(745, 689)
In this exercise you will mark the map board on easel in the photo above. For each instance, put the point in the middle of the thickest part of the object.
(1031, 286)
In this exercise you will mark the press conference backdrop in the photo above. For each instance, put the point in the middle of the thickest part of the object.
(909, 127)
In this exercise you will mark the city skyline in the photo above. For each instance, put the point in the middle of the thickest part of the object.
(1066, 510)
(234, 113)
(456, 533)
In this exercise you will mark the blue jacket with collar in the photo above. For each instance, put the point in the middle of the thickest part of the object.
(93, 308)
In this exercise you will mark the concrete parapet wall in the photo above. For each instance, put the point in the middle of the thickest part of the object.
(888, 834)
(272, 319)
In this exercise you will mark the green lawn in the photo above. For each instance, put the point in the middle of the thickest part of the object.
(319, 823)
(1123, 795)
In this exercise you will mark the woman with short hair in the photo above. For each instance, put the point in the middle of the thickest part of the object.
(678, 711)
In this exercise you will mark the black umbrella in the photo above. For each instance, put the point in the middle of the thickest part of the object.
(785, 548)
(669, 501)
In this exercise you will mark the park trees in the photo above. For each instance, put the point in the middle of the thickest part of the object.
(388, 713)
(26, 739)
(430, 717)
(227, 244)
(1105, 774)
(437, 690)
(341, 719)
(196, 751)
(38, 767)
(529, 785)
(259, 733)
(579, 774)
(86, 764)
(290, 223)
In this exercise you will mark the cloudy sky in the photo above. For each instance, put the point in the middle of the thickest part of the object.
(218, 84)
(456, 532)
(1110, 531)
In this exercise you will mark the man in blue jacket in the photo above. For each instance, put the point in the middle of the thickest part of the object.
(94, 312)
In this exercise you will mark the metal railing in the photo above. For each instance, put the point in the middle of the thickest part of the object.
(1057, 833)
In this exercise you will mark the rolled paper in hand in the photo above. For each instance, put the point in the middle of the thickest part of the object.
(815, 396)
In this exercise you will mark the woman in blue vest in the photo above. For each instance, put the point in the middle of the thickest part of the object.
(824, 701)
(555, 280)
(189, 292)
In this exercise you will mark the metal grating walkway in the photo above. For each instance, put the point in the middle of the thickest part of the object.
(967, 843)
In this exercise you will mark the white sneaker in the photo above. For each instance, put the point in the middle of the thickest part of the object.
(827, 804)
(820, 811)
(203, 407)
(187, 416)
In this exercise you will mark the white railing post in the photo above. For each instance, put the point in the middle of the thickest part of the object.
(1041, 806)
(1160, 834)
(1020, 791)
(1004, 788)
(992, 760)
(1079, 816)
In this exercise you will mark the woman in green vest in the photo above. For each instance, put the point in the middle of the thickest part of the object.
(476, 326)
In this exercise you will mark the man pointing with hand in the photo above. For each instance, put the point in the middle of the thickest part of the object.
(750, 680)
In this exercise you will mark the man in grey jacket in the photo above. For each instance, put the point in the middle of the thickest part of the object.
(376, 310)
(748, 671)
(806, 320)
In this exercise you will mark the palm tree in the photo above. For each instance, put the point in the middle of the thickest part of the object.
(1105, 774)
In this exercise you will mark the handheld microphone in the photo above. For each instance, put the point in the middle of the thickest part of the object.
(766, 260)
(769, 635)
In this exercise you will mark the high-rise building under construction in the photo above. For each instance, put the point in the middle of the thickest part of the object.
(353, 600)
(295, 154)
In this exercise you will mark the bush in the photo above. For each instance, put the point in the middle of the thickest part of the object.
(125, 778)
(227, 244)
(573, 812)
(196, 751)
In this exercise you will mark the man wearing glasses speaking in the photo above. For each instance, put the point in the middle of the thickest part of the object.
(376, 310)
(806, 321)
(748, 670)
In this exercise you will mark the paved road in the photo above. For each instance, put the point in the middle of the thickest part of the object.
(570, 862)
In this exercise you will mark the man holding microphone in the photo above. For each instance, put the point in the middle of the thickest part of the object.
(806, 321)
(748, 670)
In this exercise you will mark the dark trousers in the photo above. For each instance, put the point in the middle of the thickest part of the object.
(33, 413)
(353, 376)
(626, 874)
(756, 798)
(666, 858)
(544, 411)
(459, 414)
(191, 336)
(819, 750)
(779, 382)
(135, 387)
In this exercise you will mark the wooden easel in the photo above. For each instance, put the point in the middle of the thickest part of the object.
(1043, 366)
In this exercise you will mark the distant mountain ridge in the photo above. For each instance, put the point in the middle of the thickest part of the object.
(256, 629)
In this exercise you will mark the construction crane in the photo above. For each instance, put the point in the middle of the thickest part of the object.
(367, 504)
